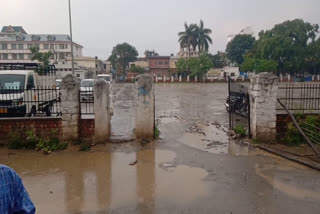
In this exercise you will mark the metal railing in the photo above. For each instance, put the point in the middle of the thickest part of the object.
(86, 102)
(42, 101)
(303, 98)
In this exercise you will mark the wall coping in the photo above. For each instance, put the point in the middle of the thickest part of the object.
(30, 118)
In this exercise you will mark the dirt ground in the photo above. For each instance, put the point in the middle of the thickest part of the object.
(193, 168)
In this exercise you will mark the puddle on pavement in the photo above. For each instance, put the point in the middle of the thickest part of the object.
(213, 138)
(92, 182)
(289, 180)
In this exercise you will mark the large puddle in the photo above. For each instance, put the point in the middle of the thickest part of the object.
(93, 182)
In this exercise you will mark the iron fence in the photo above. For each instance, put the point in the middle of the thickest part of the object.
(42, 101)
(86, 101)
(299, 97)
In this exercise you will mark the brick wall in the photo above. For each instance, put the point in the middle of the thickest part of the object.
(86, 129)
(41, 126)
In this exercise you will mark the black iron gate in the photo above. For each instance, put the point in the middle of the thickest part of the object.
(238, 105)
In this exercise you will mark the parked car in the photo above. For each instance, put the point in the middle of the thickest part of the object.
(26, 92)
(86, 89)
(106, 77)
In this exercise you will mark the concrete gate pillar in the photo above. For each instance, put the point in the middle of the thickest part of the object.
(70, 107)
(145, 107)
(102, 111)
(263, 105)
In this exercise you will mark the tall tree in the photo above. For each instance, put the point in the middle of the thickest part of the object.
(203, 37)
(238, 47)
(287, 44)
(43, 58)
(188, 37)
(121, 55)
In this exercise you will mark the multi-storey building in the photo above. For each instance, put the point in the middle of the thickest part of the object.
(15, 44)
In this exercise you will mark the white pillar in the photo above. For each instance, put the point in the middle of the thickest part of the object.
(102, 111)
(318, 77)
(145, 114)
(313, 78)
(242, 77)
(196, 78)
(289, 77)
(188, 78)
(263, 106)
(281, 78)
(172, 79)
(180, 78)
(164, 78)
(156, 78)
(204, 79)
(70, 105)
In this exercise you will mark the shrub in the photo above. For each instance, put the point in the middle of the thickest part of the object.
(156, 132)
(85, 147)
(240, 130)
(15, 140)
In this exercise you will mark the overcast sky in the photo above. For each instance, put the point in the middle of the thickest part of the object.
(99, 25)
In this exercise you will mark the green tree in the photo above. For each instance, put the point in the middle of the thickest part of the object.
(182, 65)
(188, 37)
(203, 37)
(287, 44)
(137, 69)
(219, 60)
(43, 58)
(238, 47)
(258, 65)
(121, 55)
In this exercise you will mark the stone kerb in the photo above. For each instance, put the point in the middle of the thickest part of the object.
(145, 112)
(263, 104)
(102, 111)
(70, 88)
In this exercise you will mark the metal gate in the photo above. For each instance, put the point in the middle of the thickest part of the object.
(238, 105)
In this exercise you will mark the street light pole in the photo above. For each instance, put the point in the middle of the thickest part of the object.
(70, 23)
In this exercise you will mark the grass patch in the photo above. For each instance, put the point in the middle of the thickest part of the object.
(156, 133)
(85, 147)
(240, 130)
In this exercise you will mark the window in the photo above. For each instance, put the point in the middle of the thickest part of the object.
(20, 46)
(35, 38)
(14, 56)
(36, 45)
(46, 46)
(66, 46)
(51, 46)
(30, 46)
(30, 83)
(160, 62)
(29, 56)
(14, 46)
(166, 63)
(61, 56)
(21, 56)
(61, 46)
(4, 56)
(232, 74)
(77, 75)
(4, 46)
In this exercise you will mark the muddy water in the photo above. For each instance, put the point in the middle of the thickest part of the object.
(103, 181)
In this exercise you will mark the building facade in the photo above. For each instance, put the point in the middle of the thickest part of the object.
(15, 45)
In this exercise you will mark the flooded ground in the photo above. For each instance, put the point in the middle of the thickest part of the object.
(193, 168)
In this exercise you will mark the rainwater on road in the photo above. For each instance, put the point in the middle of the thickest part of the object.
(193, 168)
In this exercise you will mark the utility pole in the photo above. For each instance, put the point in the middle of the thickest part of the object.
(70, 23)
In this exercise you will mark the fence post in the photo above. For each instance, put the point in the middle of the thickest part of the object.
(70, 107)
(164, 78)
(289, 78)
(145, 107)
(263, 105)
(172, 79)
(180, 78)
(188, 78)
(102, 111)
(196, 78)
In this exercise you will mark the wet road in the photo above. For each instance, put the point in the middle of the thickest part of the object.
(193, 168)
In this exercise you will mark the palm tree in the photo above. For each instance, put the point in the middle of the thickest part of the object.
(203, 37)
(188, 37)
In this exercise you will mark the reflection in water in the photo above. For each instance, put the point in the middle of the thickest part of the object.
(146, 180)
(73, 182)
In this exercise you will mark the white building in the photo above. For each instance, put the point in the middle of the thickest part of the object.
(15, 44)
